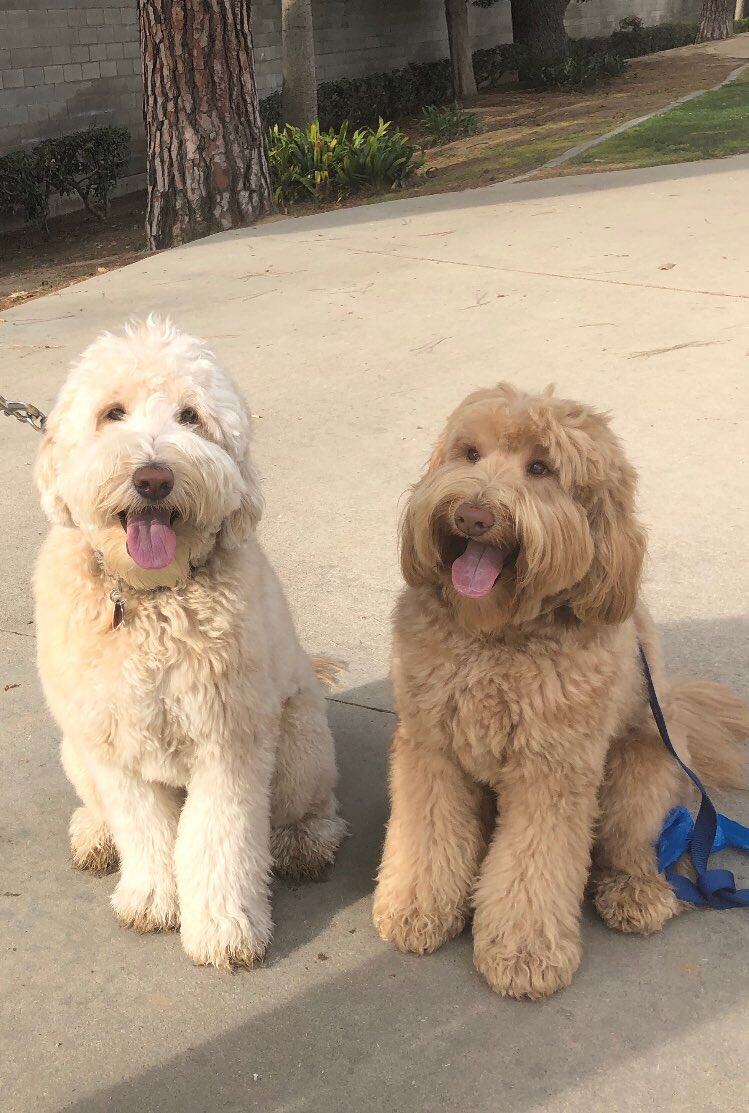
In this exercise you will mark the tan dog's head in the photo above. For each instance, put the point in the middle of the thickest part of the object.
(527, 506)
(147, 452)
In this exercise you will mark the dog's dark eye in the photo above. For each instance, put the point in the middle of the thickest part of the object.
(538, 467)
(473, 455)
(115, 414)
(188, 417)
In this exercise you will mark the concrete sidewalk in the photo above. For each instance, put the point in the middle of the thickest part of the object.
(353, 334)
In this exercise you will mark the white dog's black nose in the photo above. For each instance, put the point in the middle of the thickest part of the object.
(153, 482)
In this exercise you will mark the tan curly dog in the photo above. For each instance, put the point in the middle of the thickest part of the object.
(525, 761)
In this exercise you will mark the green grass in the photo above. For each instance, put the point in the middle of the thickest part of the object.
(712, 126)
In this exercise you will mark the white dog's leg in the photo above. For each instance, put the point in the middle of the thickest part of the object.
(223, 859)
(307, 829)
(142, 817)
(91, 844)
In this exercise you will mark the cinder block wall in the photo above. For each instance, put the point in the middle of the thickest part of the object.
(67, 63)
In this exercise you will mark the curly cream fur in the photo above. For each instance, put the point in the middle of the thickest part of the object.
(199, 724)
(533, 695)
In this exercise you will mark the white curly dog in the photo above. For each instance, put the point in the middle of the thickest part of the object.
(194, 726)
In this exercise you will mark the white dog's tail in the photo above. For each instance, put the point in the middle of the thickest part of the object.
(328, 671)
(715, 720)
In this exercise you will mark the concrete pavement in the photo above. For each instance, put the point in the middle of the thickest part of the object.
(353, 333)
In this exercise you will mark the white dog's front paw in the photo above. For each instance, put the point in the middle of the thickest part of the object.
(146, 907)
(226, 942)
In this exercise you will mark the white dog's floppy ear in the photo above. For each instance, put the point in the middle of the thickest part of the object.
(45, 477)
(240, 524)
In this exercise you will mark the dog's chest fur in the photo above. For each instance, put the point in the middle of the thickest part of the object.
(489, 698)
(178, 671)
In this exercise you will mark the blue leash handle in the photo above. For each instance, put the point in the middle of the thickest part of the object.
(708, 833)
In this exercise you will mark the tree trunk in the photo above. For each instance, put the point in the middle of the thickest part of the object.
(538, 25)
(739, 13)
(299, 90)
(717, 20)
(461, 54)
(207, 168)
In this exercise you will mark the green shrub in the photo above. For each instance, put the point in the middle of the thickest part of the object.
(741, 26)
(22, 189)
(86, 163)
(442, 124)
(330, 165)
(578, 71)
(362, 101)
(634, 42)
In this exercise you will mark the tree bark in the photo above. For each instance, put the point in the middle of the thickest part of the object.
(206, 163)
(299, 89)
(461, 54)
(538, 25)
(717, 20)
(739, 13)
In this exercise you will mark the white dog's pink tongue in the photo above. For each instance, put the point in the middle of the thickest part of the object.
(151, 541)
(477, 570)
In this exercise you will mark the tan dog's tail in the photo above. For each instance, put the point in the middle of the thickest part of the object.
(715, 720)
(328, 671)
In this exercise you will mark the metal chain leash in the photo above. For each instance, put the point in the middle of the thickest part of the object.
(24, 411)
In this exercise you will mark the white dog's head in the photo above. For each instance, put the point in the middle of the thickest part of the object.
(147, 452)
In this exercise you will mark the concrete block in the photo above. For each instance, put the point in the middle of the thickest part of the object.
(79, 54)
(13, 79)
(90, 71)
(94, 17)
(97, 52)
(61, 55)
(33, 75)
(72, 72)
(108, 69)
(114, 50)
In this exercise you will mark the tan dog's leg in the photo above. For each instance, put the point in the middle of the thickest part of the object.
(435, 839)
(639, 788)
(91, 844)
(526, 925)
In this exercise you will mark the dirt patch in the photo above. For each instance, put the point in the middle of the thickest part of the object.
(525, 128)
(522, 130)
(79, 247)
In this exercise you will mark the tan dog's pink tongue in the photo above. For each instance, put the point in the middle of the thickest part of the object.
(151, 541)
(477, 570)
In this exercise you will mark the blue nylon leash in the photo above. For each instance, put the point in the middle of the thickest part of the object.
(708, 833)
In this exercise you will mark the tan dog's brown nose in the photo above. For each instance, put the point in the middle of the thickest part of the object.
(473, 520)
(153, 482)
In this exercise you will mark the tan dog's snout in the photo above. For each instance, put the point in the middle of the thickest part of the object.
(153, 482)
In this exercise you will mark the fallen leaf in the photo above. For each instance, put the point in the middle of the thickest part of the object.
(8, 687)
(666, 266)
(322, 957)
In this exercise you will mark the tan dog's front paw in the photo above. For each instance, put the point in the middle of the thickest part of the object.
(415, 930)
(533, 971)
(146, 909)
(635, 904)
(225, 944)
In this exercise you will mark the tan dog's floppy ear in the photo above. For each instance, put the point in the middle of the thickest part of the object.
(411, 566)
(45, 477)
(437, 458)
(241, 523)
(609, 591)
